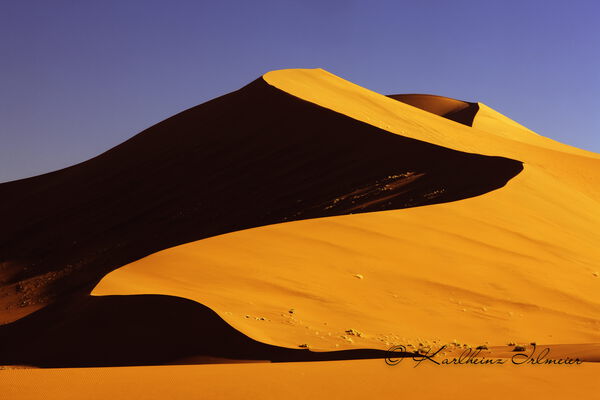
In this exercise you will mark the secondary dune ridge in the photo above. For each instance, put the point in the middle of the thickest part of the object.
(497, 266)
(460, 111)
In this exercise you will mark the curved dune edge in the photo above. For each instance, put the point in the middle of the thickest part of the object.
(471, 275)
(254, 157)
(464, 271)
(498, 136)
(330, 91)
(109, 331)
(519, 264)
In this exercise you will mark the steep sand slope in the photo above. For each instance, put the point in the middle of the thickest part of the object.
(254, 157)
(517, 264)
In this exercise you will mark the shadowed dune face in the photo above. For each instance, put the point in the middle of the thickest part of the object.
(141, 330)
(254, 157)
(455, 110)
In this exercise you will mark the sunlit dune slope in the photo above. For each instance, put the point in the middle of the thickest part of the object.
(254, 157)
(518, 264)
(330, 91)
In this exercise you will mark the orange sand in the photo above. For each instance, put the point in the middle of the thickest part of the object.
(329, 380)
(517, 264)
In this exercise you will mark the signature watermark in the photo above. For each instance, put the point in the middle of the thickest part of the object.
(536, 356)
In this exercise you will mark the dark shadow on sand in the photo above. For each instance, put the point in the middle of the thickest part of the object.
(108, 331)
(254, 157)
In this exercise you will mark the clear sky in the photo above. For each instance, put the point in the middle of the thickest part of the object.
(79, 77)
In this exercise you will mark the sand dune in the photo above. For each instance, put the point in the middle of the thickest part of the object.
(516, 264)
(254, 157)
(304, 211)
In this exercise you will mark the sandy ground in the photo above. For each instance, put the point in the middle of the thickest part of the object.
(324, 380)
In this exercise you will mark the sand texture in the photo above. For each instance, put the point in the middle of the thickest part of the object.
(304, 218)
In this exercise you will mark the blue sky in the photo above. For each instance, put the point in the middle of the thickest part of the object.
(79, 77)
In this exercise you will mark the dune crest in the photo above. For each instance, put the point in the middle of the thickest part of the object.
(330, 91)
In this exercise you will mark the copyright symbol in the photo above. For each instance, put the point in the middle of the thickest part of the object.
(389, 357)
